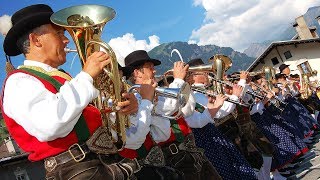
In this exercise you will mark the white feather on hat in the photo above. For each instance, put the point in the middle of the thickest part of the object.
(5, 24)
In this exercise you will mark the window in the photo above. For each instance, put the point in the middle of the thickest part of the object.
(288, 54)
(275, 61)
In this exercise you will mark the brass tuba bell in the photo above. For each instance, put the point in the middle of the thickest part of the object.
(85, 24)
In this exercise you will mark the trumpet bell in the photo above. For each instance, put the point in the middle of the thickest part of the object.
(181, 94)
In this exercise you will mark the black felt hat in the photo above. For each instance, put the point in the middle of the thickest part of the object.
(195, 62)
(139, 57)
(23, 21)
(282, 67)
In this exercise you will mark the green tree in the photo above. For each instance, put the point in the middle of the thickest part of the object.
(3, 129)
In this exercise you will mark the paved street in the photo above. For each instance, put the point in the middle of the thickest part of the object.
(310, 168)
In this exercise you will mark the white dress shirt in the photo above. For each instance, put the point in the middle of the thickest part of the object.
(199, 120)
(48, 116)
(160, 126)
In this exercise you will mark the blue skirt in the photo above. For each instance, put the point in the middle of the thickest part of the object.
(223, 154)
(304, 115)
(285, 150)
(287, 121)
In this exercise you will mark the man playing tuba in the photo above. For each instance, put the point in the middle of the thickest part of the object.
(48, 113)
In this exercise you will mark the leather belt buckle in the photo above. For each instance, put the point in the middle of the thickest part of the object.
(50, 164)
(173, 149)
(138, 165)
(77, 158)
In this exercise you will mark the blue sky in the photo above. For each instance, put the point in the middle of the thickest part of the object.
(165, 19)
(144, 24)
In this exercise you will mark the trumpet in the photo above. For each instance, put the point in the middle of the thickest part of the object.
(208, 93)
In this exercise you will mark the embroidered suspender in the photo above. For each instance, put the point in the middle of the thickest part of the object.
(81, 128)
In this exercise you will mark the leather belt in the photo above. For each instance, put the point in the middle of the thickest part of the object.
(75, 153)
(218, 122)
(188, 145)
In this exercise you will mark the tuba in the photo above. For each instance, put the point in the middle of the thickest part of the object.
(85, 24)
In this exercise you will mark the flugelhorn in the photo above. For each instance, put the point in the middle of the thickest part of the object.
(237, 76)
(212, 94)
(85, 24)
(180, 94)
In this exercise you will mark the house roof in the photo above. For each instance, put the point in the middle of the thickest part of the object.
(14, 158)
(279, 43)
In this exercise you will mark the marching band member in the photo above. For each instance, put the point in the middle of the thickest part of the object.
(53, 119)
(232, 164)
(177, 142)
(285, 147)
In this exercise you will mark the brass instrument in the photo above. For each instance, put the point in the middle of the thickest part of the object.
(211, 94)
(269, 76)
(278, 103)
(180, 94)
(254, 73)
(85, 24)
(306, 72)
(254, 94)
(221, 63)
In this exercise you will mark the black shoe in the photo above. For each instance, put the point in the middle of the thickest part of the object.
(291, 168)
(297, 161)
(287, 174)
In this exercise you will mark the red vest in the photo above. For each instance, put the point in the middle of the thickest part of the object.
(40, 150)
(141, 152)
(179, 130)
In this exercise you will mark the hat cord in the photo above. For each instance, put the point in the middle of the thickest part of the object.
(9, 65)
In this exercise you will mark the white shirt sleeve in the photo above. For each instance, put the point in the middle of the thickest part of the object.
(160, 129)
(197, 119)
(43, 114)
(257, 108)
(226, 108)
(166, 105)
(140, 125)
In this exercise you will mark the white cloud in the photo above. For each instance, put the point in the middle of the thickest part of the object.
(126, 44)
(237, 23)
(5, 24)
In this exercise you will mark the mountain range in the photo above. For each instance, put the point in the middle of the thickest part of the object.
(191, 51)
(240, 60)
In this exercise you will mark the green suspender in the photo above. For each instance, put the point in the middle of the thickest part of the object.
(176, 130)
(81, 128)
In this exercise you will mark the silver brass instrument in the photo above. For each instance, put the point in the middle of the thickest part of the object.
(212, 94)
(274, 101)
(254, 94)
(237, 76)
(180, 94)
(85, 24)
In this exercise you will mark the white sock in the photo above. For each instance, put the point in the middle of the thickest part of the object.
(264, 173)
(277, 175)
